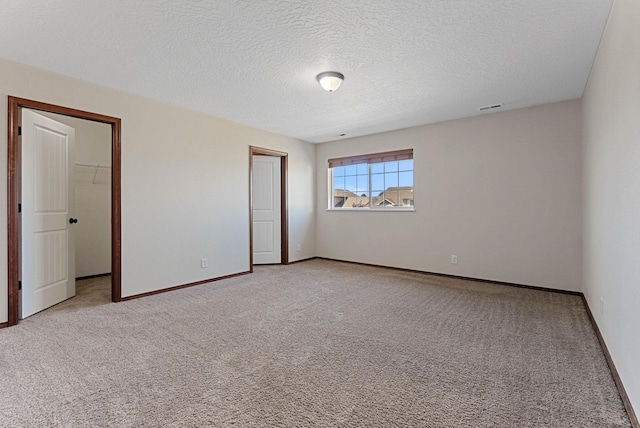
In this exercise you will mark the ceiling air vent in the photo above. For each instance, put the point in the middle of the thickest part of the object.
(491, 107)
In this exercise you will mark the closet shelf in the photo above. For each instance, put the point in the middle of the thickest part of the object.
(93, 165)
(97, 166)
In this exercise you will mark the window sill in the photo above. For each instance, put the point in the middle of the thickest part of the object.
(376, 210)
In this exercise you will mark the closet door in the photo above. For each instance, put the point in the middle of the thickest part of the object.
(267, 246)
(47, 239)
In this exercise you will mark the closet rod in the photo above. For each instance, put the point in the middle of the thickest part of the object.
(96, 166)
(92, 165)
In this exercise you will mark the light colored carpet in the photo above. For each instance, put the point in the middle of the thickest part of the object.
(317, 343)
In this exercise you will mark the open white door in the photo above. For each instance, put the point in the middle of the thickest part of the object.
(47, 253)
(266, 210)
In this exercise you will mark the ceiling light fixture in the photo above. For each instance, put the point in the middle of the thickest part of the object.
(330, 80)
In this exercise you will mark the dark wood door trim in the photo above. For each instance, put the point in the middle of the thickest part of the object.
(13, 187)
(284, 211)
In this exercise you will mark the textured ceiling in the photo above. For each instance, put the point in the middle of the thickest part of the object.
(406, 63)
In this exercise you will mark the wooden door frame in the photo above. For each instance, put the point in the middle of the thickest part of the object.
(284, 212)
(13, 187)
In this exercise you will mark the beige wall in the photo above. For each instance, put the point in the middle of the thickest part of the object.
(184, 183)
(501, 191)
(612, 192)
(92, 195)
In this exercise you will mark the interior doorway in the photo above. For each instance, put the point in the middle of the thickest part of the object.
(16, 106)
(268, 228)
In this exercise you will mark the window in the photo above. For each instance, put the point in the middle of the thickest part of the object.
(374, 181)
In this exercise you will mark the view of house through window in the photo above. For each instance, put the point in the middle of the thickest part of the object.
(375, 181)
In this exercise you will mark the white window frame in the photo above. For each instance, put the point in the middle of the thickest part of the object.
(358, 160)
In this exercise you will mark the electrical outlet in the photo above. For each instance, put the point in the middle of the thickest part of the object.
(204, 263)
(454, 260)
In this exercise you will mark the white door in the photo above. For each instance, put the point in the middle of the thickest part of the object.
(47, 253)
(266, 210)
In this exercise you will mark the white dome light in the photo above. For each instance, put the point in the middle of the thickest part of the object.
(330, 80)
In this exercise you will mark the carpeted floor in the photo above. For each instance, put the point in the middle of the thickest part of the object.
(317, 343)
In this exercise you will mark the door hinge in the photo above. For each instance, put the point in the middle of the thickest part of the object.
(19, 208)
(19, 285)
(19, 130)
